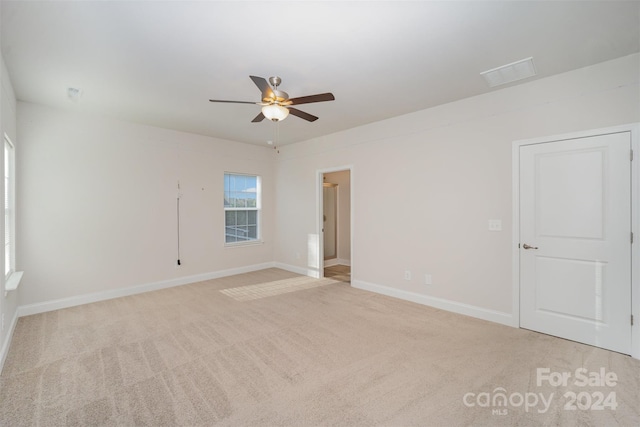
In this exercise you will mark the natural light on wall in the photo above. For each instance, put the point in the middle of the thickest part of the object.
(313, 249)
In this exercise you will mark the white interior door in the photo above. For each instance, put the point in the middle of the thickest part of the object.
(575, 239)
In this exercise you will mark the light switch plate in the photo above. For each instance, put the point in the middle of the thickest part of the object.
(495, 225)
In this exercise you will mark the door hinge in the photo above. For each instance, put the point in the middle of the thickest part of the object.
(632, 237)
(632, 320)
(631, 155)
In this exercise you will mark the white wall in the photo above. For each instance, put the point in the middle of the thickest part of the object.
(97, 204)
(343, 213)
(426, 184)
(8, 303)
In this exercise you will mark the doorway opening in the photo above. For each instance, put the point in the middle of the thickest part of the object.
(335, 208)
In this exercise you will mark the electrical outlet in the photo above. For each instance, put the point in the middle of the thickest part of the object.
(297, 255)
(407, 275)
(427, 279)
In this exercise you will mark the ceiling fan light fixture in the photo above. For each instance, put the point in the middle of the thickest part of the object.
(275, 112)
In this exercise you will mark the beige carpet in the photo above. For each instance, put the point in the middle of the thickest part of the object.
(318, 355)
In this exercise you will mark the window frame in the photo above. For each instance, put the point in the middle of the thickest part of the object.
(257, 209)
(9, 209)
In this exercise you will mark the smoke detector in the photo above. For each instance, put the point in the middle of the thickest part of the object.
(74, 94)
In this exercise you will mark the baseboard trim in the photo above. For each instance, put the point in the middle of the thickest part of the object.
(331, 262)
(42, 307)
(440, 303)
(337, 261)
(7, 340)
(299, 270)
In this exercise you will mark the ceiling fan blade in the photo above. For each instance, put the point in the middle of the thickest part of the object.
(264, 87)
(258, 118)
(321, 97)
(308, 117)
(232, 102)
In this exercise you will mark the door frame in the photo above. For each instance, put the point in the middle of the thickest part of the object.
(634, 129)
(320, 212)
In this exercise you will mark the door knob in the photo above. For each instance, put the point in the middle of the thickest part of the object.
(529, 246)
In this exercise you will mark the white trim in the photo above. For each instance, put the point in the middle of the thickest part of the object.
(13, 281)
(330, 262)
(11, 199)
(311, 272)
(634, 128)
(635, 248)
(336, 261)
(42, 307)
(515, 234)
(320, 220)
(7, 340)
(346, 262)
(443, 304)
(244, 243)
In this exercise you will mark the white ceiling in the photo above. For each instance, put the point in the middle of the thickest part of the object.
(158, 62)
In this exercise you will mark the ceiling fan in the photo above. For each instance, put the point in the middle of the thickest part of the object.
(276, 104)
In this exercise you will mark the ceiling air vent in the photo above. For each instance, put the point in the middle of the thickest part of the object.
(510, 73)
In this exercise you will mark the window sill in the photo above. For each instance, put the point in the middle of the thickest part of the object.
(13, 281)
(242, 244)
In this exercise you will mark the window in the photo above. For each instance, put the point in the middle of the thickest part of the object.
(241, 208)
(9, 161)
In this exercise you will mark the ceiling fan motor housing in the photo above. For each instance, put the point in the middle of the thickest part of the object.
(275, 96)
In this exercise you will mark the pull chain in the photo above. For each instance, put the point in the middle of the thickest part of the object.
(276, 138)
